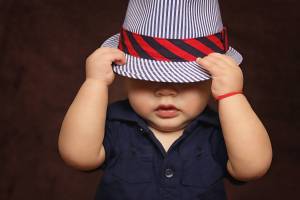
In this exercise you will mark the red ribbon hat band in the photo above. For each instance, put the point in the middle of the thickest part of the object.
(176, 50)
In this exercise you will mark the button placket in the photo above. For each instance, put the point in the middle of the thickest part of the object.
(169, 173)
(140, 130)
(199, 151)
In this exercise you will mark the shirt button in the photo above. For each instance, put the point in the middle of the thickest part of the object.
(169, 173)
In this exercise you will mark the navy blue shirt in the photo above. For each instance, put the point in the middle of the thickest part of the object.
(138, 167)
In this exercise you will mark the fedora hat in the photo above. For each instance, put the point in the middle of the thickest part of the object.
(162, 39)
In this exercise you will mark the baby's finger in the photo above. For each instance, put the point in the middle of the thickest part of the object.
(107, 50)
(116, 50)
(115, 55)
(218, 62)
(119, 58)
(208, 65)
(120, 62)
(225, 58)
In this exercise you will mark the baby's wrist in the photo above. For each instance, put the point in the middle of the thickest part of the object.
(97, 82)
(229, 94)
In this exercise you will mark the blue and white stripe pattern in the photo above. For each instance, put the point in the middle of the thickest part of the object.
(171, 19)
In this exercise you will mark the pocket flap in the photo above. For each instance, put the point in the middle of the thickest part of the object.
(134, 168)
(201, 171)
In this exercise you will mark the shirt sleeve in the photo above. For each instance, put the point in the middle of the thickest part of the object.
(108, 142)
(220, 153)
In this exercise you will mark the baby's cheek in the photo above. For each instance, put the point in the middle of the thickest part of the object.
(196, 106)
(141, 103)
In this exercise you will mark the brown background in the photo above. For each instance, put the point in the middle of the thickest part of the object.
(43, 47)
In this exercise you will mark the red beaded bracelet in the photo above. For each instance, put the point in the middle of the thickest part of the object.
(228, 95)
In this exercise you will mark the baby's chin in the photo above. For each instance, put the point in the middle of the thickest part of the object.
(167, 126)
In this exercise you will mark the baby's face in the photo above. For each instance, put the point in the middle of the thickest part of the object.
(189, 100)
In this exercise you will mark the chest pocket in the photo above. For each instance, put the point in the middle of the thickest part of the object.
(201, 170)
(134, 167)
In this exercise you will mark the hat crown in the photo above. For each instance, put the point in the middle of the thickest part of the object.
(173, 19)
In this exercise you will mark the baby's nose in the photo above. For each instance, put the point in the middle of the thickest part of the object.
(166, 91)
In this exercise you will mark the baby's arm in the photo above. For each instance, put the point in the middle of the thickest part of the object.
(82, 131)
(247, 141)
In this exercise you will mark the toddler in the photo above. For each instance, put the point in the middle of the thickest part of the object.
(164, 141)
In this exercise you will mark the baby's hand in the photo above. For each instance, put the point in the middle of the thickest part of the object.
(99, 64)
(226, 74)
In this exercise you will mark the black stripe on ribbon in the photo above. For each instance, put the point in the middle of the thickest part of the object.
(162, 50)
(137, 47)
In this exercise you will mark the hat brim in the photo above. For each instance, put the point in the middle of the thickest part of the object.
(163, 71)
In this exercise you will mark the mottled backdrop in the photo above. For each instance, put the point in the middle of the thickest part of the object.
(43, 47)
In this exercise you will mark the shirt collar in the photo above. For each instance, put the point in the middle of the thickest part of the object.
(122, 110)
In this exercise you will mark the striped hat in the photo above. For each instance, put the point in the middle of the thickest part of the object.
(161, 39)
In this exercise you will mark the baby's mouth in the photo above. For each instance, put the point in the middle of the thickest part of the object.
(166, 111)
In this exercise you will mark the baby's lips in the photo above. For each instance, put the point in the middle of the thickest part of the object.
(166, 107)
